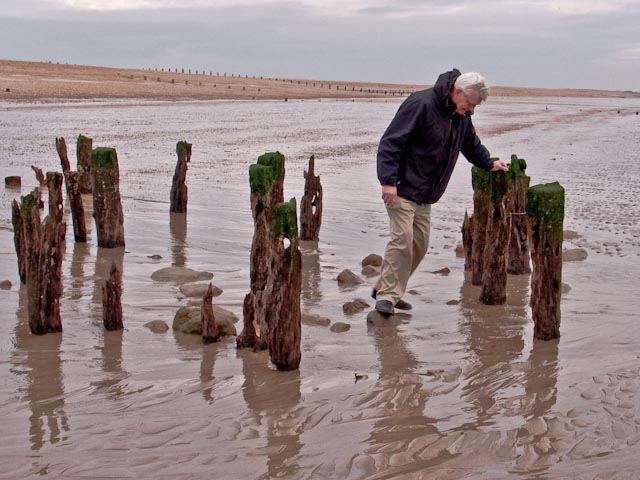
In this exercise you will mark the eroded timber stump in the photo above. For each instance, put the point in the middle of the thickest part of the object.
(545, 213)
(518, 256)
(107, 206)
(84, 147)
(481, 181)
(179, 190)
(210, 331)
(73, 193)
(311, 205)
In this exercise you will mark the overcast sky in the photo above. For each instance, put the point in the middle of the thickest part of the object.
(536, 43)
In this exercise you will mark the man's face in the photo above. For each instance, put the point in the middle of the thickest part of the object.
(465, 102)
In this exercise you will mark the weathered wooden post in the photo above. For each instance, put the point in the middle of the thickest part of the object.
(107, 207)
(179, 189)
(84, 147)
(481, 181)
(19, 240)
(266, 179)
(496, 241)
(73, 193)
(516, 200)
(283, 317)
(210, 331)
(545, 212)
(111, 300)
(39, 175)
(311, 204)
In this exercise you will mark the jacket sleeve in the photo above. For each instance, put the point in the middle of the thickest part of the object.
(474, 151)
(396, 138)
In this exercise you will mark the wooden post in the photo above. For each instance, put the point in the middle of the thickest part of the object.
(467, 240)
(111, 300)
(107, 207)
(73, 193)
(39, 175)
(545, 212)
(19, 241)
(518, 257)
(210, 332)
(283, 316)
(481, 181)
(311, 205)
(84, 148)
(179, 189)
(496, 241)
(266, 180)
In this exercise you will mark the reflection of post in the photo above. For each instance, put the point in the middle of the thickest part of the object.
(541, 378)
(45, 388)
(209, 353)
(178, 229)
(112, 364)
(272, 398)
(78, 259)
(311, 293)
(105, 257)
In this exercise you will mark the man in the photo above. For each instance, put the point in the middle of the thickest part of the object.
(416, 157)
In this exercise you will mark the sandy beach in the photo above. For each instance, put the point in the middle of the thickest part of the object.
(456, 390)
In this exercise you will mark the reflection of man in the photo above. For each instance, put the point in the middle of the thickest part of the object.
(416, 157)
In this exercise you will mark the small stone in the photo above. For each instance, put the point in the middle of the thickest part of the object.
(313, 319)
(5, 285)
(370, 271)
(180, 275)
(459, 250)
(155, 257)
(157, 326)
(198, 290)
(188, 320)
(443, 271)
(372, 259)
(340, 327)
(574, 255)
(453, 302)
(358, 305)
(347, 278)
(566, 288)
(376, 319)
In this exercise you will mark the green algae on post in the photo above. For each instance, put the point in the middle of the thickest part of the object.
(546, 204)
(104, 157)
(286, 219)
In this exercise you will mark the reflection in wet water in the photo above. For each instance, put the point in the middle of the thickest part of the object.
(310, 290)
(178, 229)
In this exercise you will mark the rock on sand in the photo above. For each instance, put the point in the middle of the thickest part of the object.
(180, 275)
(187, 320)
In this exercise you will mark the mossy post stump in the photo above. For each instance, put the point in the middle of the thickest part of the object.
(84, 148)
(210, 331)
(73, 193)
(283, 314)
(311, 205)
(179, 190)
(496, 242)
(518, 257)
(44, 243)
(467, 240)
(266, 179)
(19, 240)
(545, 213)
(107, 207)
(112, 300)
(481, 181)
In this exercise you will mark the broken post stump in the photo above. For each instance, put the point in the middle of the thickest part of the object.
(516, 200)
(283, 316)
(311, 204)
(19, 240)
(39, 175)
(210, 331)
(84, 147)
(73, 193)
(179, 190)
(13, 181)
(266, 180)
(107, 206)
(545, 213)
(112, 300)
(496, 241)
(481, 181)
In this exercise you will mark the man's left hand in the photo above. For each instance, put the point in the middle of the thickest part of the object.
(499, 165)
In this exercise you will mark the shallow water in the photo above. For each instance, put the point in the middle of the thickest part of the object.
(455, 391)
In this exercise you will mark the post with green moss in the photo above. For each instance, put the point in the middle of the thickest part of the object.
(73, 193)
(494, 266)
(311, 205)
(545, 213)
(107, 207)
(84, 147)
(283, 315)
(179, 191)
(111, 300)
(481, 181)
(518, 257)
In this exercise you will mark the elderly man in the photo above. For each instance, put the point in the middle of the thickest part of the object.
(416, 157)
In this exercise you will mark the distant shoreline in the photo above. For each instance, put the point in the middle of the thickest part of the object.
(22, 81)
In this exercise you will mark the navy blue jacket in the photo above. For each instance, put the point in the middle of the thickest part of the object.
(419, 149)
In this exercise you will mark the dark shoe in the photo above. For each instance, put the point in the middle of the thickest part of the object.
(385, 307)
(374, 292)
(402, 305)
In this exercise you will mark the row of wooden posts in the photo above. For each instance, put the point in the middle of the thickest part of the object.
(511, 223)
(272, 307)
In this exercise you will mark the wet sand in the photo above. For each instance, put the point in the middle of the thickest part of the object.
(457, 390)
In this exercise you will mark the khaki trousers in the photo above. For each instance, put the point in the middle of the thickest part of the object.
(409, 224)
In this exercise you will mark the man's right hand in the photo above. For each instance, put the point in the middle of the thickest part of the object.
(389, 194)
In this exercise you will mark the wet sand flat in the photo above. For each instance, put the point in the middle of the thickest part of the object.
(457, 390)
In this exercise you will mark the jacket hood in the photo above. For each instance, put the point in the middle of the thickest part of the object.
(443, 87)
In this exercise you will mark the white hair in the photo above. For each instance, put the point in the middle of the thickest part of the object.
(473, 81)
